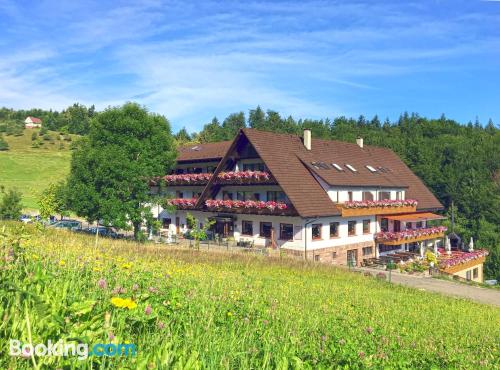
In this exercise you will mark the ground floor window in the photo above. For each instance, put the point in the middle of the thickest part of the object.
(265, 229)
(316, 257)
(475, 273)
(367, 251)
(247, 227)
(352, 257)
(334, 255)
(316, 231)
(166, 222)
(468, 275)
(286, 231)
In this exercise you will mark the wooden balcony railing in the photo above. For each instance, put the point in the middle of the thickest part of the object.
(380, 207)
(410, 235)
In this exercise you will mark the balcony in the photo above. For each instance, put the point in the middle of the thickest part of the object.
(410, 235)
(458, 260)
(249, 207)
(379, 207)
(223, 178)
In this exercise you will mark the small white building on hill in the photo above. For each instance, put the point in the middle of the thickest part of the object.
(32, 122)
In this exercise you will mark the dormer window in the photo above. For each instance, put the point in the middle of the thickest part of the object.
(351, 168)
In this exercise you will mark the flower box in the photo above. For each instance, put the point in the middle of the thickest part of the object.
(246, 206)
(244, 177)
(182, 203)
(410, 235)
(459, 260)
(378, 207)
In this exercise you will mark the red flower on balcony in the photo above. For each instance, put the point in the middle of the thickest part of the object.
(182, 203)
(244, 176)
(245, 204)
(187, 178)
(410, 233)
(380, 203)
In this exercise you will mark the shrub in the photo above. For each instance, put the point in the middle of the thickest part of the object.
(10, 206)
(34, 135)
(3, 144)
(47, 137)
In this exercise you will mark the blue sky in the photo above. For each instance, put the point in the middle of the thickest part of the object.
(193, 60)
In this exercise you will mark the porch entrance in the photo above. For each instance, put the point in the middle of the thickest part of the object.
(223, 226)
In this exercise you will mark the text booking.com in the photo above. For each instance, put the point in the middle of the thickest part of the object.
(63, 349)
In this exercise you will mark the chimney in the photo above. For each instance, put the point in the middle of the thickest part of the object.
(359, 141)
(307, 138)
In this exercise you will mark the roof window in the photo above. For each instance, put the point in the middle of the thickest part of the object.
(337, 167)
(372, 169)
(351, 168)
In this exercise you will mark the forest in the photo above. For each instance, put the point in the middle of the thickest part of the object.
(458, 162)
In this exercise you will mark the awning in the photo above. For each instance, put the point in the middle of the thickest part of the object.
(416, 217)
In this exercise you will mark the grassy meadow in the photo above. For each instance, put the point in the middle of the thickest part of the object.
(190, 309)
(30, 170)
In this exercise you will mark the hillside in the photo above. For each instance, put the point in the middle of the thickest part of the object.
(31, 170)
(187, 309)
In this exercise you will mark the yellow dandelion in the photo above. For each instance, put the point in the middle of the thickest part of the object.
(127, 266)
(62, 262)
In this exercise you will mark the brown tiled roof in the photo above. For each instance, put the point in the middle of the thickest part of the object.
(290, 163)
(287, 157)
(196, 152)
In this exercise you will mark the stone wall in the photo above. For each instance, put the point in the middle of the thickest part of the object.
(335, 255)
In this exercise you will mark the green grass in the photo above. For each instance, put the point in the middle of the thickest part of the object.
(31, 170)
(217, 310)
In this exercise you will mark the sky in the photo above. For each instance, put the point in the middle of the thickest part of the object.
(193, 60)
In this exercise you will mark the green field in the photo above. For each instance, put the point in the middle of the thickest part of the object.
(31, 170)
(185, 309)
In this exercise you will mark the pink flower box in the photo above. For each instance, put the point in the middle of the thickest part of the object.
(245, 204)
(409, 234)
(380, 203)
(182, 203)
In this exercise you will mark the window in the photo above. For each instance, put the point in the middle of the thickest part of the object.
(240, 195)
(366, 226)
(196, 195)
(399, 195)
(334, 229)
(334, 255)
(351, 228)
(286, 231)
(367, 195)
(265, 229)
(276, 196)
(372, 169)
(468, 274)
(384, 224)
(418, 225)
(397, 226)
(166, 222)
(316, 257)
(179, 194)
(409, 225)
(367, 251)
(211, 169)
(388, 248)
(247, 227)
(475, 273)
(337, 167)
(349, 196)
(255, 196)
(351, 168)
(316, 231)
(227, 195)
(253, 167)
(384, 195)
(297, 232)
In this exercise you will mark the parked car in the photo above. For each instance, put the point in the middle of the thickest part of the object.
(67, 224)
(103, 231)
(26, 219)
